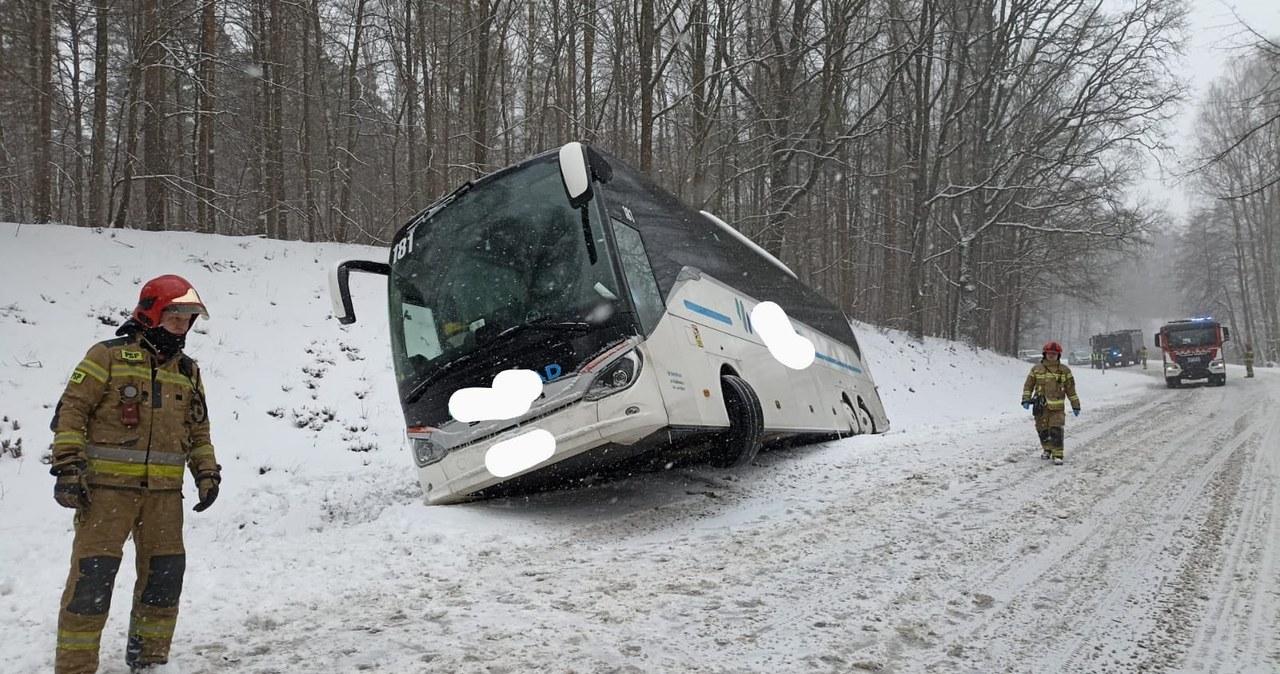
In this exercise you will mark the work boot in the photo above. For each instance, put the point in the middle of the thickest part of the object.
(1057, 461)
(1044, 454)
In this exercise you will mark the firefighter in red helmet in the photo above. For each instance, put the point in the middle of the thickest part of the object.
(1046, 391)
(132, 417)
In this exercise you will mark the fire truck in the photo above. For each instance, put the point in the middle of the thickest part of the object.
(1192, 350)
(1117, 349)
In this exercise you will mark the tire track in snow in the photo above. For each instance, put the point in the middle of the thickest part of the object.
(1134, 596)
(1032, 533)
(999, 534)
(1240, 612)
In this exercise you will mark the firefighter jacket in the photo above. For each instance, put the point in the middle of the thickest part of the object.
(129, 421)
(1248, 356)
(1055, 382)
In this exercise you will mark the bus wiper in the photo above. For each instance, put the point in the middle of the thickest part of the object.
(546, 326)
(421, 388)
(586, 234)
(444, 201)
(543, 326)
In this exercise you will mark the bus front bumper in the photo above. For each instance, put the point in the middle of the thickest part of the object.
(577, 428)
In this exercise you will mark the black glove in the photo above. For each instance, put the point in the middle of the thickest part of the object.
(207, 484)
(71, 490)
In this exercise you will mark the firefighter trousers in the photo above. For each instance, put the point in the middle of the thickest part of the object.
(154, 519)
(1050, 426)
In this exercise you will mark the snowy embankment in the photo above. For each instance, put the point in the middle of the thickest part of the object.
(319, 549)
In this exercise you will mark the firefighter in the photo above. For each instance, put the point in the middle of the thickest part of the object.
(132, 415)
(1248, 359)
(1051, 380)
(1143, 354)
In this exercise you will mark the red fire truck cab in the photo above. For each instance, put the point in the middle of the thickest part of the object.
(1192, 350)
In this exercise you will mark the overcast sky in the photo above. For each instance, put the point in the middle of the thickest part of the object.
(1215, 35)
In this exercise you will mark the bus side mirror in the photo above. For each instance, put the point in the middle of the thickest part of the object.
(578, 165)
(339, 290)
(575, 174)
(1226, 334)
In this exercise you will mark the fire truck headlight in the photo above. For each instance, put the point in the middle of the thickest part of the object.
(426, 452)
(1171, 369)
(1217, 365)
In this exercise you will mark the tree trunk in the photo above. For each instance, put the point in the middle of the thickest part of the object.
(154, 148)
(352, 124)
(410, 83)
(430, 182)
(480, 91)
(131, 104)
(77, 115)
(97, 214)
(279, 220)
(305, 147)
(645, 36)
(42, 58)
(588, 71)
(206, 104)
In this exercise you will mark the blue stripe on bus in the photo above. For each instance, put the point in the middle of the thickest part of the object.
(709, 313)
(838, 363)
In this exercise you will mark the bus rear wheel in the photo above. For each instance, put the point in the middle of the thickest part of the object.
(740, 444)
(861, 418)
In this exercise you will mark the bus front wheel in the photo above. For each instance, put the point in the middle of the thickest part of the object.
(739, 445)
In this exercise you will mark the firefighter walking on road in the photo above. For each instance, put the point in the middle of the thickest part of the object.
(1248, 359)
(1046, 391)
(1143, 354)
(131, 418)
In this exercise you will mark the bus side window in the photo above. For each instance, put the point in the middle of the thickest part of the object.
(635, 264)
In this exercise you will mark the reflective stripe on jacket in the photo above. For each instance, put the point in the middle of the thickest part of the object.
(171, 429)
(1055, 382)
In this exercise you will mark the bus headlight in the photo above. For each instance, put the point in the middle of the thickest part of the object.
(426, 452)
(1217, 365)
(617, 376)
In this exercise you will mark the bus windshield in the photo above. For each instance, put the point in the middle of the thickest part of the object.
(504, 263)
(1207, 336)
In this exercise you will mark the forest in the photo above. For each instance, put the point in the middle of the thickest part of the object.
(944, 167)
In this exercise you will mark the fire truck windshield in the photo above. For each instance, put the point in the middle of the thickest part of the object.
(1188, 337)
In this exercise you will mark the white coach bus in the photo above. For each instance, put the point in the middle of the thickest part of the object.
(633, 309)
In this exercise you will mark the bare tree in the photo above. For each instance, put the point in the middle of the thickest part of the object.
(155, 110)
(97, 209)
(42, 73)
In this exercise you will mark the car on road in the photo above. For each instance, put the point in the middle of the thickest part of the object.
(1080, 357)
(1029, 355)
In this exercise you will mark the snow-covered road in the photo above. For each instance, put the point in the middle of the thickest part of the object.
(1154, 550)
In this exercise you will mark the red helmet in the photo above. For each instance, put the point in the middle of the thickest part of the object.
(167, 293)
(1052, 346)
